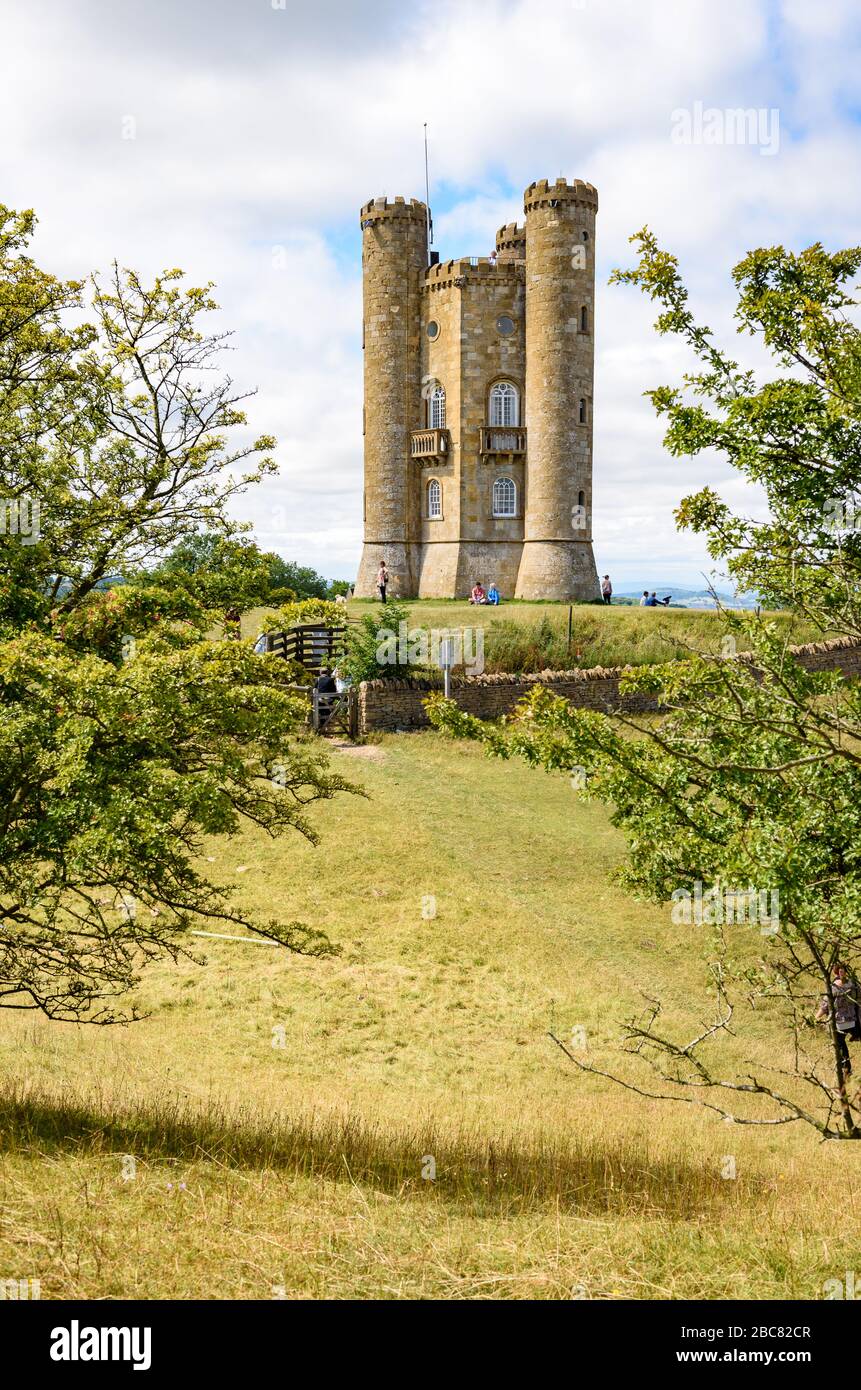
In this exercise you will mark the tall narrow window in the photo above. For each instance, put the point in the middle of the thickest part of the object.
(436, 409)
(581, 499)
(504, 497)
(504, 404)
(434, 498)
(584, 319)
(582, 412)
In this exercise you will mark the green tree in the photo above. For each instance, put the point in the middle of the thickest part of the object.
(304, 581)
(796, 435)
(111, 776)
(367, 656)
(49, 389)
(113, 433)
(750, 782)
(125, 736)
(218, 571)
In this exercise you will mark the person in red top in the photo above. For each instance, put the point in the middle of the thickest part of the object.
(478, 595)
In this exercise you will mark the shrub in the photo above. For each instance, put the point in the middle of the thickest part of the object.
(307, 610)
(362, 661)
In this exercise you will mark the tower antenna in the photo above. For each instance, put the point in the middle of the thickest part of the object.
(427, 194)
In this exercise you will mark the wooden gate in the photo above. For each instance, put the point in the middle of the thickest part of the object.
(315, 646)
(335, 714)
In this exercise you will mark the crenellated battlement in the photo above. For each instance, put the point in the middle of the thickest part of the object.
(511, 243)
(544, 194)
(467, 268)
(379, 208)
(510, 236)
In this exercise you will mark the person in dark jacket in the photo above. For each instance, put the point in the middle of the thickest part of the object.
(847, 1011)
(326, 693)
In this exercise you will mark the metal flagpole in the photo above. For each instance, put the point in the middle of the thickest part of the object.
(427, 194)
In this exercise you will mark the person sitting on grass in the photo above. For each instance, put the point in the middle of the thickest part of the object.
(478, 595)
(493, 594)
(644, 601)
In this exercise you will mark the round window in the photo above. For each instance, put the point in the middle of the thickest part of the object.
(433, 329)
(505, 325)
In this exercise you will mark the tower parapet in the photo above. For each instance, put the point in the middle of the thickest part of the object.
(379, 208)
(511, 243)
(543, 193)
(459, 272)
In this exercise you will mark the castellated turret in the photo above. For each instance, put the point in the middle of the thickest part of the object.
(478, 403)
(560, 356)
(394, 258)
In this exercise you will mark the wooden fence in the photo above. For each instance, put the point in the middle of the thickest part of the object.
(315, 646)
(311, 644)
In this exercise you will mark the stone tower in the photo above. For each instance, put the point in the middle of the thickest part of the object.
(560, 342)
(394, 259)
(478, 403)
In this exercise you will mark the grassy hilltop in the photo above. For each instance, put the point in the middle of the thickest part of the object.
(264, 1170)
(534, 636)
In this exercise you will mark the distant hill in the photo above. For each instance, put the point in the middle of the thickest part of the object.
(682, 597)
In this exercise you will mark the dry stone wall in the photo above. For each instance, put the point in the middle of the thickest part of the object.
(392, 705)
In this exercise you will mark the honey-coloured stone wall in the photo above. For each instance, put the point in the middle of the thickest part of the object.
(392, 705)
(524, 315)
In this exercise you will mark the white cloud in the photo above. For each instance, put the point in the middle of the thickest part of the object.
(258, 127)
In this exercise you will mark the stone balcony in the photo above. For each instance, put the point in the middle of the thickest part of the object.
(502, 439)
(430, 445)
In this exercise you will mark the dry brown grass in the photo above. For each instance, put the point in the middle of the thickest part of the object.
(302, 1164)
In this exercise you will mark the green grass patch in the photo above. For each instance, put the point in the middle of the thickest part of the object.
(281, 1111)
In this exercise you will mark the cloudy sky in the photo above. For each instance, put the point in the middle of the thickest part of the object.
(238, 138)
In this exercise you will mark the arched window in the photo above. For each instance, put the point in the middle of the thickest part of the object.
(504, 404)
(436, 408)
(504, 497)
(434, 498)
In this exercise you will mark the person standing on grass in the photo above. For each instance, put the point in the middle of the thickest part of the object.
(327, 688)
(382, 580)
(847, 1014)
(606, 589)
